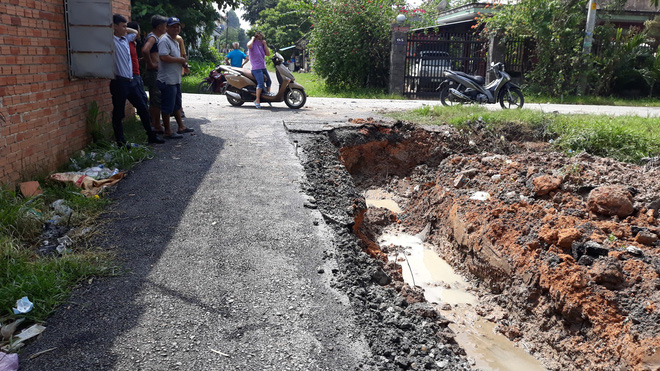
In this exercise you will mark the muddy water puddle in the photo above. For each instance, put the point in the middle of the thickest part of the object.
(380, 198)
(421, 266)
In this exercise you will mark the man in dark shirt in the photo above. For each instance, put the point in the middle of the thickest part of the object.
(150, 53)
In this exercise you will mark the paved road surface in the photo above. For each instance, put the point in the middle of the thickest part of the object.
(222, 256)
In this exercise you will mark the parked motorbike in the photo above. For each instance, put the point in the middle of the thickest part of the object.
(461, 88)
(214, 83)
(242, 86)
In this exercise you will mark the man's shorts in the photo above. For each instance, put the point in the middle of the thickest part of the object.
(150, 78)
(171, 98)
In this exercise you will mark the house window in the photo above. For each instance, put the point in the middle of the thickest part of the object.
(89, 38)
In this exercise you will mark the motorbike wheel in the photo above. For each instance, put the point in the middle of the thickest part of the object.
(233, 101)
(511, 98)
(295, 98)
(204, 87)
(447, 98)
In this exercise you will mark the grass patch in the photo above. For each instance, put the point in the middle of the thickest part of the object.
(46, 281)
(624, 138)
(316, 87)
(198, 72)
(47, 278)
(530, 97)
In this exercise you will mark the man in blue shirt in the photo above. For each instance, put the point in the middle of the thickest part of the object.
(236, 57)
(124, 87)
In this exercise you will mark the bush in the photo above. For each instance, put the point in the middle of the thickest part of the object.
(207, 53)
(351, 41)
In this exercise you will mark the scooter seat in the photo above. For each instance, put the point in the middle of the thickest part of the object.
(243, 71)
(247, 73)
(478, 79)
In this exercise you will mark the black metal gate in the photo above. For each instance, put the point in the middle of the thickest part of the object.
(428, 54)
(518, 56)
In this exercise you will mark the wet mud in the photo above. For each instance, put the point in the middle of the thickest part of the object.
(561, 252)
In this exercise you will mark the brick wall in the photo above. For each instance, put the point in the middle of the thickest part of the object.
(44, 112)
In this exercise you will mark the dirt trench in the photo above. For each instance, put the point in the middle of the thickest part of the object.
(563, 251)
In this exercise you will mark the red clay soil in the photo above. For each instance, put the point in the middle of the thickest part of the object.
(574, 263)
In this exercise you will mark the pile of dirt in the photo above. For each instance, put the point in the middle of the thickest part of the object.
(402, 331)
(567, 247)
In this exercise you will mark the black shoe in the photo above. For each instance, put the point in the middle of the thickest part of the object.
(156, 139)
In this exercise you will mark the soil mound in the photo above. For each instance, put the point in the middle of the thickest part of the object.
(567, 247)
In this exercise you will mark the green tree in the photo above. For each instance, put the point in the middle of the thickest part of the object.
(557, 29)
(232, 19)
(285, 24)
(252, 9)
(197, 16)
(234, 33)
(350, 41)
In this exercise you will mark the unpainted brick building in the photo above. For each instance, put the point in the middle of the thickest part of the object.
(42, 110)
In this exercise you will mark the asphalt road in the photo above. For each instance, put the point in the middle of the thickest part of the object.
(222, 257)
(222, 260)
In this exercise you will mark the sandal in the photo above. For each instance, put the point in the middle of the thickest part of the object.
(257, 105)
(186, 130)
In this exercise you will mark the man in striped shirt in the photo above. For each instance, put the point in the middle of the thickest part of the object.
(124, 87)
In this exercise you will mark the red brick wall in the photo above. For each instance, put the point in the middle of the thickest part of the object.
(44, 111)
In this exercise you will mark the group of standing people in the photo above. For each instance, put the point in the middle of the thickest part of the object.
(166, 61)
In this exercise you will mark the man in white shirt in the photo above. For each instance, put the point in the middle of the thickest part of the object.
(123, 87)
(170, 66)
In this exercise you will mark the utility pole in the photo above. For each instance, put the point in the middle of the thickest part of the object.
(589, 29)
(588, 42)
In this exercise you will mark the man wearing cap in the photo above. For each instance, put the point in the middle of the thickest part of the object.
(170, 66)
(123, 86)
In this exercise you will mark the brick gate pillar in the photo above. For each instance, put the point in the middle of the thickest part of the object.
(398, 58)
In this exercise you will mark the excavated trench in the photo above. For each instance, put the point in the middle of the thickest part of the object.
(558, 257)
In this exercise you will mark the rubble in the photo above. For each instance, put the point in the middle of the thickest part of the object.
(567, 247)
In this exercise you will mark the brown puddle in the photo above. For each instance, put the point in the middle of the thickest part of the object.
(422, 267)
(380, 198)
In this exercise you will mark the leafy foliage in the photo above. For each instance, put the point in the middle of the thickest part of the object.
(206, 52)
(232, 19)
(351, 41)
(254, 7)
(555, 26)
(286, 23)
(195, 15)
(233, 33)
(557, 29)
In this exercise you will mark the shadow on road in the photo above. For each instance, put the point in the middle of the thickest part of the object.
(147, 210)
